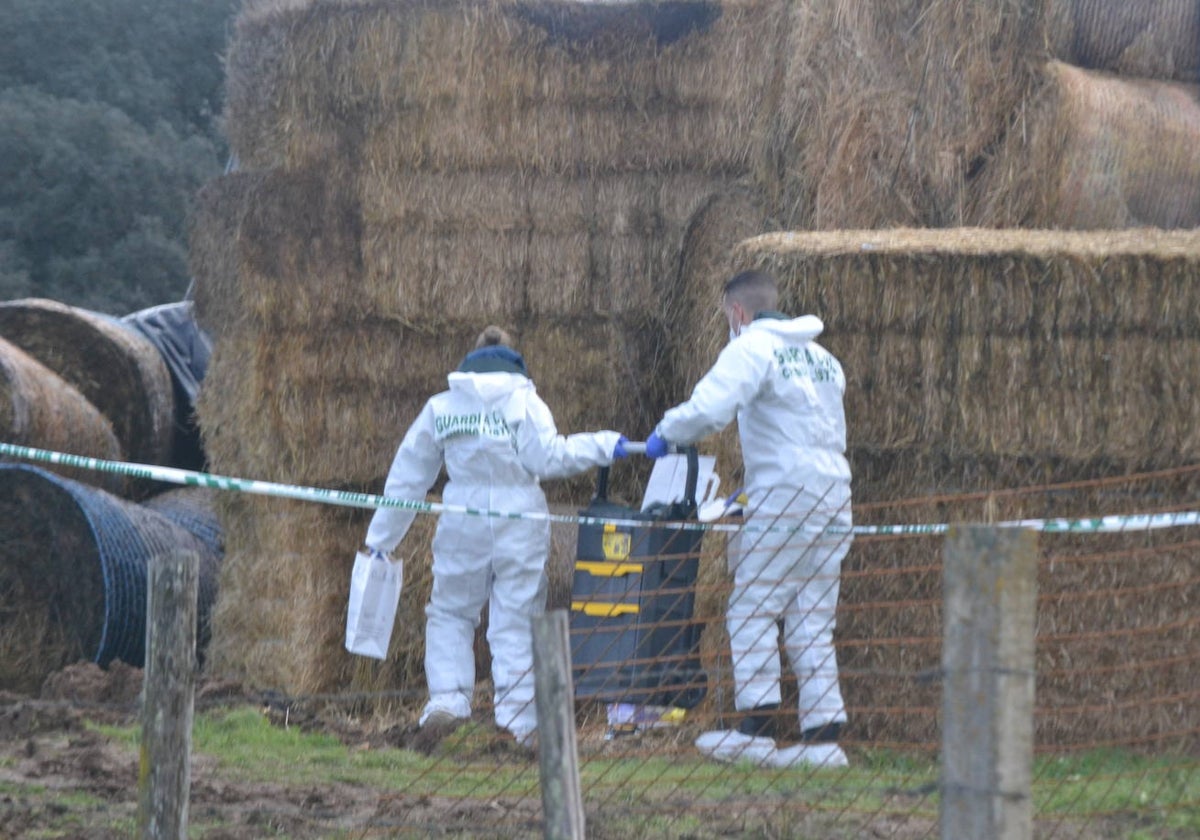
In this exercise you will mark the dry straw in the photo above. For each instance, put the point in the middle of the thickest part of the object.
(280, 620)
(73, 575)
(215, 223)
(1096, 594)
(890, 111)
(51, 580)
(551, 86)
(503, 244)
(115, 368)
(39, 409)
(277, 248)
(1147, 40)
(1105, 152)
(1029, 342)
(979, 360)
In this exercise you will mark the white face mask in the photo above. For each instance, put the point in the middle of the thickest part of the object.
(735, 329)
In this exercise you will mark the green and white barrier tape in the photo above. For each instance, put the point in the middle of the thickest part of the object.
(190, 478)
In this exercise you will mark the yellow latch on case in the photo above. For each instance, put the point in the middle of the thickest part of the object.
(603, 610)
(602, 568)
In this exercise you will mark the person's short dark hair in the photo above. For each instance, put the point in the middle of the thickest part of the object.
(493, 336)
(755, 290)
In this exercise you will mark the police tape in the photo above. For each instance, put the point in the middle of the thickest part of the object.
(344, 498)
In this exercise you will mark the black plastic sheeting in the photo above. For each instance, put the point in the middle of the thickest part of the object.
(43, 534)
(185, 349)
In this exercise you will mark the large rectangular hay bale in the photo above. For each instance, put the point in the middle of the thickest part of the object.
(486, 84)
(1052, 345)
(1115, 640)
(280, 618)
(889, 112)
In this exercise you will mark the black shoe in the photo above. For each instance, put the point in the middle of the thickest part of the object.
(760, 721)
(826, 734)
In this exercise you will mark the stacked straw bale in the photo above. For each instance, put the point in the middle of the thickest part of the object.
(39, 409)
(983, 359)
(411, 172)
(1006, 343)
(1115, 640)
(889, 111)
(118, 370)
(1159, 40)
(1100, 151)
(280, 616)
(450, 86)
(936, 114)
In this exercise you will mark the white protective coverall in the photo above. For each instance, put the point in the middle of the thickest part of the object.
(497, 438)
(786, 392)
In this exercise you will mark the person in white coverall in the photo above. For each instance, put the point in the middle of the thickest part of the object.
(496, 438)
(786, 392)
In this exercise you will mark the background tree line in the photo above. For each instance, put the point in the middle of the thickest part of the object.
(109, 123)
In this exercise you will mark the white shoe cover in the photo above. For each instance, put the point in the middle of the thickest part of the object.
(731, 746)
(808, 755)
(442, 713)
(527, 739)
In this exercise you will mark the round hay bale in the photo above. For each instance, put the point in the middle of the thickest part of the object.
(73, 562)
(39, 409)
(115, 368)
(1159, 40)
(195, 510)
(1100, 152)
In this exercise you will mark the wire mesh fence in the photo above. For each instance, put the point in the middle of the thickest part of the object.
(664, 672)
(662, 689)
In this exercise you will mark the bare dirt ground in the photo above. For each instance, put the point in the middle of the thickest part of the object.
(59, 778)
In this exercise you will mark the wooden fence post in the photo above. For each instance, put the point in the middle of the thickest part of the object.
(988, 672)
(558, 757)
(168, 692)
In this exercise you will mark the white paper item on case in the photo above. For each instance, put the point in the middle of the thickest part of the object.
(668, 480)
(374, 595)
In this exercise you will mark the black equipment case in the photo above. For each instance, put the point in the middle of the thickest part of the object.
(633, 637)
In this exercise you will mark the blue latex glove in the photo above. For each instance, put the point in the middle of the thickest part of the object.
(656, 447)
(619, 449)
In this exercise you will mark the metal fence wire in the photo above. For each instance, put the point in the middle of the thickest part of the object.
(1116, 715)
(652, 606)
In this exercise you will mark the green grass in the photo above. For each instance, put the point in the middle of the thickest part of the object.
(1148, 797)
(1164, 791)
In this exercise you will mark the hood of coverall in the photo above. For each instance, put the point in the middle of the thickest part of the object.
(794, 330)
(479, 417)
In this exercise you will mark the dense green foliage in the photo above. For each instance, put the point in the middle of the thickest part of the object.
(108, 125)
